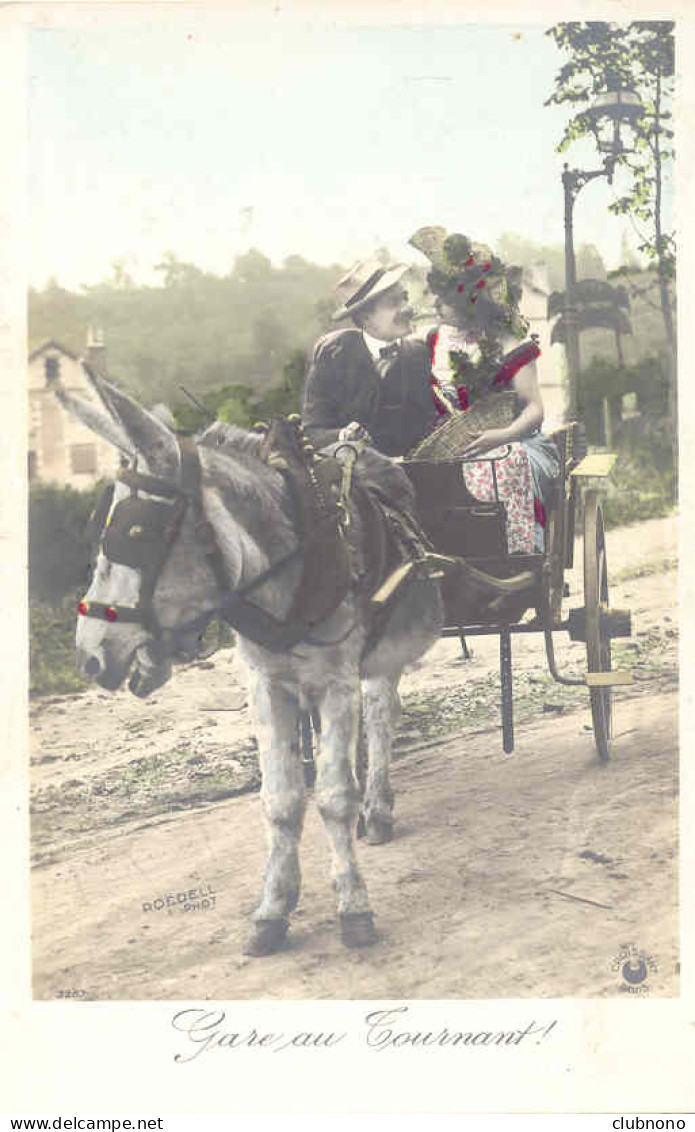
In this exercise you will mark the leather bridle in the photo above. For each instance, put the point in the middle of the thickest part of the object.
(142, 537)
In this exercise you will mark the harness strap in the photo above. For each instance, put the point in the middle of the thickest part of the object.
(153, 485)
(234, 609)
(191, 475)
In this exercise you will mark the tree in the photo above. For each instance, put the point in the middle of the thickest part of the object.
(638, 56)
(196, 329)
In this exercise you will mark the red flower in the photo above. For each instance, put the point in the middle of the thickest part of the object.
(480, 283)
(460, 288)
(470, 261)
(110, 614)
(464, 401)
(487, 266)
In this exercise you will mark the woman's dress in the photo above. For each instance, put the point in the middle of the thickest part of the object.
(525, 470)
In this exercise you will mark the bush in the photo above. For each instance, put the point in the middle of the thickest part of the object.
(59, 552)
(52, 668)
(642, 483)
(605, 379)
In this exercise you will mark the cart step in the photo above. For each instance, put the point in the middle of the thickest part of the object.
(608, 679)
(596, 465)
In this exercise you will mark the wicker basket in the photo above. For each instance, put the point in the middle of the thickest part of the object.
(449, 439)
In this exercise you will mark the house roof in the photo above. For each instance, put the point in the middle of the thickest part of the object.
(53, 345)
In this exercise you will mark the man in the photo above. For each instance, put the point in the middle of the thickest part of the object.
(368, 380)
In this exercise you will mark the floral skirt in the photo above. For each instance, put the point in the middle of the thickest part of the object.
(525, 477)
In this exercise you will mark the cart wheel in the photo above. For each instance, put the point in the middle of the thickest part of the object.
(306, 749)
(598, 642)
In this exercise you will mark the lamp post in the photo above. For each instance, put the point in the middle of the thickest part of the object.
(610, 110)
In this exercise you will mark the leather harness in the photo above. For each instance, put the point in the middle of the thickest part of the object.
(140, 533)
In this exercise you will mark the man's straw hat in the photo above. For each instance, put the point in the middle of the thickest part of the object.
(363, 283)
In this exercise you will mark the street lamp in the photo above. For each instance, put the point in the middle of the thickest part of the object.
(616, 107)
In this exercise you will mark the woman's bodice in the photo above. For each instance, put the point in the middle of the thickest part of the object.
(464, 374)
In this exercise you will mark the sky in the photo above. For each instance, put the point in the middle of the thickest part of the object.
(213, 132)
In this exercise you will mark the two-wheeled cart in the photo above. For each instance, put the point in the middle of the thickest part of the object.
(461, 528)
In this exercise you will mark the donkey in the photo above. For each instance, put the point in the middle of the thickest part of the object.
(243, 506)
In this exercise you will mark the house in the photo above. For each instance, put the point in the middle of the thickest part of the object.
(551, 364)
(61, 450)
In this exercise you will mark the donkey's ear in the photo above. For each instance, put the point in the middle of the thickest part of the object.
(104, 425)
(149, 436)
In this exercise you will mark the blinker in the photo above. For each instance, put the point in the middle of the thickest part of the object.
(138, 531)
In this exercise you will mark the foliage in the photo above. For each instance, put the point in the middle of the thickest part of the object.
(639, 56)
(237, 404)
(197, 329)
(601, 378)
(59, 552)
(606, 380)
(648, 379)
(642, 484)
(58, 560)
(52, 648)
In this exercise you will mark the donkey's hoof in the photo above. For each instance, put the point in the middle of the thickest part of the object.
(266, 937)
(378, 830)
(357, 929)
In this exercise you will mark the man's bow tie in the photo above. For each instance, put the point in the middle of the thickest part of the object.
(390, 351)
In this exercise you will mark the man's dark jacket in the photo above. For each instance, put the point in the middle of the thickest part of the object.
(343, 385)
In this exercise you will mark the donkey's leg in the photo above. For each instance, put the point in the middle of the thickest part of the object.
(337, 798)
(276, 714)
(380, 710)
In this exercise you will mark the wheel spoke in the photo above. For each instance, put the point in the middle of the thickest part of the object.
(598, 641)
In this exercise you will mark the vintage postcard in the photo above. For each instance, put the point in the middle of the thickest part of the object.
(343, 726)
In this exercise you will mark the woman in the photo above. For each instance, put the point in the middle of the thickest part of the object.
(475, 355)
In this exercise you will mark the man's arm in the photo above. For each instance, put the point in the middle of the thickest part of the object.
(320, 411)
(324, 411)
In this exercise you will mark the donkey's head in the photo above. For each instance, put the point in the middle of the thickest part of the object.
(153, 589)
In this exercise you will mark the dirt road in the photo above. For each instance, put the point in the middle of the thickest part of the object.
(508, 877)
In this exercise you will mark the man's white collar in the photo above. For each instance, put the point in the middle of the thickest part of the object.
(375, 345)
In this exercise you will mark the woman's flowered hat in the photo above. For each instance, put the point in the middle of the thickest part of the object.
(465, 273)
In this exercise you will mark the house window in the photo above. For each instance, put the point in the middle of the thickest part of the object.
(83, 459)
(52, 364)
